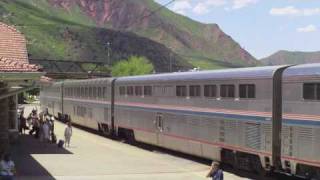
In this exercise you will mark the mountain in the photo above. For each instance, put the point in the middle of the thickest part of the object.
(292, 57)
(80, 30)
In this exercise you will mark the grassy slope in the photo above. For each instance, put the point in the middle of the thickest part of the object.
(196, 29)
(44, 32)
(292, 57)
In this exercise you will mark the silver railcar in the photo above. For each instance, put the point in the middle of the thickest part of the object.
(258, 119)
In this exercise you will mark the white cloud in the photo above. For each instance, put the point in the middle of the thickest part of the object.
(204, 6)
(292, 11)
(216, 2)
(181, 6)
(201, 8)
(309, 28)
(238, 4)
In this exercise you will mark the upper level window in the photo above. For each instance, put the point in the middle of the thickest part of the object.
(90, 91)
(210, 90)
(311, 91)
(247, 91)
(122, 90)
(86, 92)
(78, 91)
(147, 90)
(138, 90)
(194, 90)
(227, 91)
(82, 91)
(104, 92)
(181, 91)
(130, 90)
(94, 92)
(99, 92)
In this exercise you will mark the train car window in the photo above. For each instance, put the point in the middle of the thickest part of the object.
(318, 92)
(181, 91)
(130, 90)
(147, 90)
(90, 92)
(227, 91)
(78, 92)
(210, 90)
(82, 92)
(138, 90)
(86, 92)
(99, 92)
(194, 90)
(311, 91)
(122, 90)
(104, 92)
(94, 89)
(247, 91)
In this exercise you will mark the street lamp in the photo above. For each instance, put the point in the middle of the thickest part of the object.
(170, 59)
(108, 51)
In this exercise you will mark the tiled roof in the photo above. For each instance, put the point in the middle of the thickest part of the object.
(13, 65)
(12, 43)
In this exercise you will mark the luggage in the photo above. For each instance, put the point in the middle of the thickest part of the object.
(60, 143)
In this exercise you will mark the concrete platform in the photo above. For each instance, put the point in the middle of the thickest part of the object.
(94, 157)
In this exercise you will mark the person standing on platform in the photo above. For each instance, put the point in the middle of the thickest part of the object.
(215, 172)
(68, 134)
(7, 168)
(23, 123)
(46, 131)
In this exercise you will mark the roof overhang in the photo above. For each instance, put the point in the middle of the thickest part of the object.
(18, 82)
(20, 76)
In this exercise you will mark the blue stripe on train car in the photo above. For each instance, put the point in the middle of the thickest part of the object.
(300, 122)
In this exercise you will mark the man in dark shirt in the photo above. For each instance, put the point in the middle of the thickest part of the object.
(215, 172)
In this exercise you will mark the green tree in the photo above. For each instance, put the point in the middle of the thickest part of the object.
(133, 66)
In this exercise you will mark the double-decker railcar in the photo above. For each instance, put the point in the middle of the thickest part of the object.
(301, 121)
(224, 115)
(256, 119)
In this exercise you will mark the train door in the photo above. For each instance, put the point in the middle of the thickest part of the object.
(159, 128)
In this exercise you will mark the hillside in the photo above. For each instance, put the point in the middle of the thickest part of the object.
(77, 30)
(292, 57)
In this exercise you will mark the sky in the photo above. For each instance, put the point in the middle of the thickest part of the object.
(262, 27)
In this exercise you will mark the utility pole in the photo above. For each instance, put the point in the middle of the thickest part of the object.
(170, 59)
(108, 51)
(170, 62)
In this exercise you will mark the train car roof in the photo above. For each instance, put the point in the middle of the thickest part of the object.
(312, 69)
(236, 73)
(88, 81)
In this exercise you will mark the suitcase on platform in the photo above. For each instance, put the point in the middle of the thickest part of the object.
(60, 143)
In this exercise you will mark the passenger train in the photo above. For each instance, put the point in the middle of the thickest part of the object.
(257, 119)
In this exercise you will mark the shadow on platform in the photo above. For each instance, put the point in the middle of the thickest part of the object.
(28, 167)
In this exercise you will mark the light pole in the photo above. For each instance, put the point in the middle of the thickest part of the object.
(170, 59)
(108, 51)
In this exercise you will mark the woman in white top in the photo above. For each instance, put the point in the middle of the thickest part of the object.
(68, 134)
(7, 169)
(46, 131)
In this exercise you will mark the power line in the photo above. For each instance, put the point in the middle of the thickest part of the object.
(149, 15)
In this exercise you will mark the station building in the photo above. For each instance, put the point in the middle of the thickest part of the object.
(16, 76)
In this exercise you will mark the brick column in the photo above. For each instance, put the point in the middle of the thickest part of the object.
(4, 135)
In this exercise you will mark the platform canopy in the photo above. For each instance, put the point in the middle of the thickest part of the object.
(18, 76)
